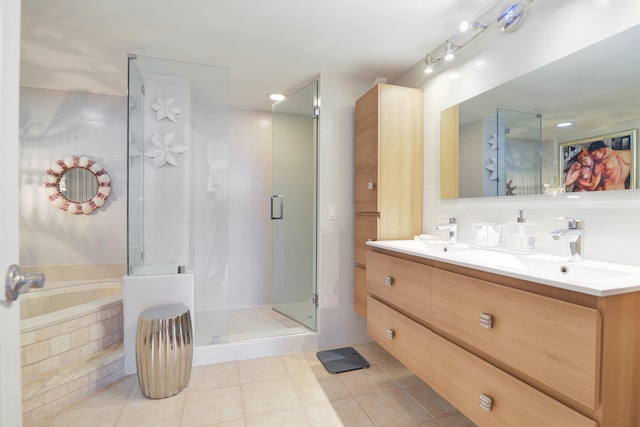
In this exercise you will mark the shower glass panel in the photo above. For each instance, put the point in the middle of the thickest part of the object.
(293, 206)
(178, 177)
(519, 152)
(135, 207)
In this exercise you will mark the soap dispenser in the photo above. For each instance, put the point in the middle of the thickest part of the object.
(521, 235)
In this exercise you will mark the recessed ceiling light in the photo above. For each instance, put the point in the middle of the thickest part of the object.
(564, 124)
(276, 96)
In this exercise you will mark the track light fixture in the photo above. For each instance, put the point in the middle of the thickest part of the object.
(449, 53)
(428, 61)
(510, 16)
(471, 26)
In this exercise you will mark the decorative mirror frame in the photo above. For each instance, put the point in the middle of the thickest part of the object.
(57, 171)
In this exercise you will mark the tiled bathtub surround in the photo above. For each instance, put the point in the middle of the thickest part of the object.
(69, 359)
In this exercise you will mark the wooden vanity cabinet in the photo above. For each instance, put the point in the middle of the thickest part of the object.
(388, 174)
(508, 352)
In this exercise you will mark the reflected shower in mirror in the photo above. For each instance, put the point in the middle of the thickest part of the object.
(594, 92)
(77, 184)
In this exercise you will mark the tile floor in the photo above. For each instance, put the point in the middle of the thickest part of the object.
(291, 390)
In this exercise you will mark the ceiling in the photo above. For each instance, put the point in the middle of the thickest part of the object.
(268, 46)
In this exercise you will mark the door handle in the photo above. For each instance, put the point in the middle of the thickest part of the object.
(17, 282)
(277, 213)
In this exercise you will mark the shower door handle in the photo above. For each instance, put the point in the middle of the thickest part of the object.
(17, 282)
(277, 212)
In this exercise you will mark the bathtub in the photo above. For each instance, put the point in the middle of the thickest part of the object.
(70, 337)
(50, 306)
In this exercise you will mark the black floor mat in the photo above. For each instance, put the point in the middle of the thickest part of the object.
(342, 360)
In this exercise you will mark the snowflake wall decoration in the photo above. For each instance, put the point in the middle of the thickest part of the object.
(165, 150)
(166, 108)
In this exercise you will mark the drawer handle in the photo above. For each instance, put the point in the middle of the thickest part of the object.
(390, 334)
(486, 402)
(388, 280)
(371, 186)
(486, 320)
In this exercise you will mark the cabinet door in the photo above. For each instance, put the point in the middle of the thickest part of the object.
(489, 396)
(552, 342)
(360, 291)
(405, 339)
(402, 283)
(366, 152)
(366, 228)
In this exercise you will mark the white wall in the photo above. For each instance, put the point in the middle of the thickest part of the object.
(552, 29)
(55, 124)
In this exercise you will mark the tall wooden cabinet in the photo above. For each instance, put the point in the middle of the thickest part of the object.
(389, 144)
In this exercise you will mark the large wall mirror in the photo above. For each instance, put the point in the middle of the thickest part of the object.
(510, 140)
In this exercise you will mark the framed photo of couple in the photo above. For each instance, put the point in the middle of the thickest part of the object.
(601, 163)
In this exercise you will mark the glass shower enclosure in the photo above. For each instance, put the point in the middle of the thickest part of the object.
(179, 191)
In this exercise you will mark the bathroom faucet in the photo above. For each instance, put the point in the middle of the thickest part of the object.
(573, 233)
(452, 226)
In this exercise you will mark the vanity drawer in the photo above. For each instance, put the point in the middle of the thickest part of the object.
(402, 283)
(550, 341)
(406, 340)
(466, 381)
(366, 228)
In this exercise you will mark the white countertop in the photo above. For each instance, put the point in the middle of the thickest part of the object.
(587, 277)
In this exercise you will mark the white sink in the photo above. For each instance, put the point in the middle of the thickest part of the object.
(440, 246)
(592, 277)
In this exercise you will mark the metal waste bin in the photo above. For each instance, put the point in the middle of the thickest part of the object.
(164, 350)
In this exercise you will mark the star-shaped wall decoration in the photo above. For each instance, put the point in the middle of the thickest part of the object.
(493, 141)
(491, 167)
(165, 150)
(165, 108)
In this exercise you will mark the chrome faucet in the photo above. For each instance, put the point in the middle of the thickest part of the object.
(452, 226)
(574, 234)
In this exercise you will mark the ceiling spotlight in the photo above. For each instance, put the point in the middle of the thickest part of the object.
(428, 60)
(564, 124)
(449, 54)
(469, 26)
(511, 16)
(276, 97)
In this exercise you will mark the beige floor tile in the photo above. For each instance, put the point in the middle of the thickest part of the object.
(456, 421)
(297, 364)
(116, 393)
(153, 412)
(312, 390)
(344, 412)
(392, 408)
(97, 416)
(214, 376)
(234, 423)
(292, 418)
(373, 352)
(212, 406)
(266, 397)
(367, 380)
(266, 368)
(400, 373)
(431, 401)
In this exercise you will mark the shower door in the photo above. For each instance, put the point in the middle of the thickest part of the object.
(293, 206)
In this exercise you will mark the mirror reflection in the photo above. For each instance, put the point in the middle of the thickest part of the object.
(78, 185)
(512, 139)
